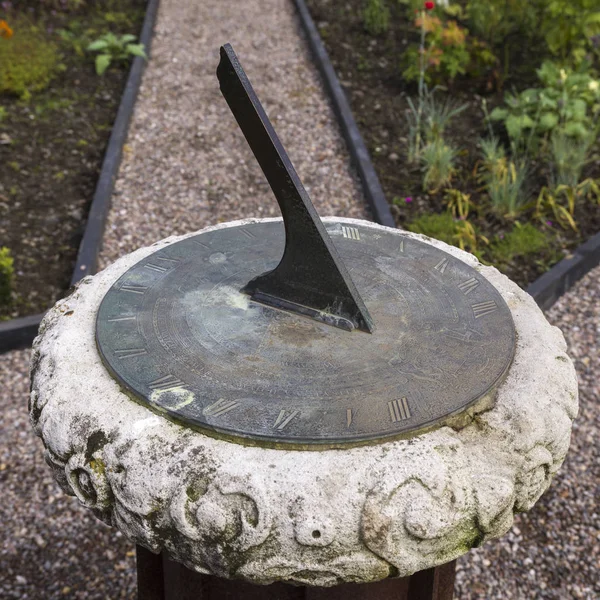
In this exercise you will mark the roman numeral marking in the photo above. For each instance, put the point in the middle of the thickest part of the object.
(134, 289)
(468, 286)
(165, 383)
(283, 419)
(128, 318)
(348, 417)
(130, 352)
(399, 410)
(350, 232)
(401, 248)
(441, 266)
(201, 244)
(247, 233)
(154, 267)
(481, 309)
(173, 260)
(220, 407)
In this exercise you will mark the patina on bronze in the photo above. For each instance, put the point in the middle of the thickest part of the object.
(215, 333)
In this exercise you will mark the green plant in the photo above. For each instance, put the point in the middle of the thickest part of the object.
(505, 181)
(569, 103)
(458, 203)
(439, 226)
(521, 240)
(27, 61)
(113, 48)
(560, 201)
(443, 227)
(569, 26)
(442, 54)
(3, 113)
(437, 160)
(6, 275)
(376, 17)
(428, 120)
(569, 156)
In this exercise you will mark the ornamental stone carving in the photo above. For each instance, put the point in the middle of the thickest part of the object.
(318, 517)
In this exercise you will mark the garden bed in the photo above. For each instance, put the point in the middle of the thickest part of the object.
(370, 68)
(52, 141)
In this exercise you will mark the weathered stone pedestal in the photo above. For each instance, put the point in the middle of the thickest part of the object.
(309, 518)
(162, 579)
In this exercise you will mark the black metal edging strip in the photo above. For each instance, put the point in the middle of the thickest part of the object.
(87, 257)
(356, 145)
(19, 333)
(550, 286)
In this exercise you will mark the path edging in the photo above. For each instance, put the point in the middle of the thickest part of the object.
(20, 332)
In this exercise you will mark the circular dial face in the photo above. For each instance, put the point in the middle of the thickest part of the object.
(176, 331)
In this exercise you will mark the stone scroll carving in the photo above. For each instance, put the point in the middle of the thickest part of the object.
(317, 518)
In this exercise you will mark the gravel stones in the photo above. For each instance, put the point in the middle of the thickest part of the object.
(186, 164)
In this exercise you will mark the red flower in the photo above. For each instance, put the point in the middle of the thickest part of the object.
(429, 5)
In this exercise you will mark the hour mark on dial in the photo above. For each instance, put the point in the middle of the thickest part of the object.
(201, 244)
(130, 352)
(399, 410)
(350, 232)
(134, 289)
(165, 383)
(123, 318)
(401, 248)
(468, 286)
(349, 417)
(173, 260)
(156, 268)
(481, 309)
(220, 407)
(441, 266)
(283, 419)
(247, 233)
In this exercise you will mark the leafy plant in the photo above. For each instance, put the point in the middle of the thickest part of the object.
(6, 275)
(113, 48)
(467, 238)
(437, 160)
(27, 61)
(376, 17)
(446, 51)
(568, 103)
(569, 26)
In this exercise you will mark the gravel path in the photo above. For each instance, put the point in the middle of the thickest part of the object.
(186, 166)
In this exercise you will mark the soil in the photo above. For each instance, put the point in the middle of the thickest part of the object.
(51, 152)
(369, 69)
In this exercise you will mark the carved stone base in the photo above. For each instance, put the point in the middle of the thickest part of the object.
(319, 518)
(162, 579)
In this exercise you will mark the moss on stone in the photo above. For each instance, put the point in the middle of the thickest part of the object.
(440, 227)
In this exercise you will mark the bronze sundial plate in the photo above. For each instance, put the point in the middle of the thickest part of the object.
(176, 331)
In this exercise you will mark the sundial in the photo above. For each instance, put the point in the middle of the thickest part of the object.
(299, 333)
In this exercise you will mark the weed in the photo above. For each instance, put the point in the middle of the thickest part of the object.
(569, 156)
(113, 48)
(376, 17)
(437, 159)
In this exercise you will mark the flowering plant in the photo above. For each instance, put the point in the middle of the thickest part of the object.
(5, 30)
